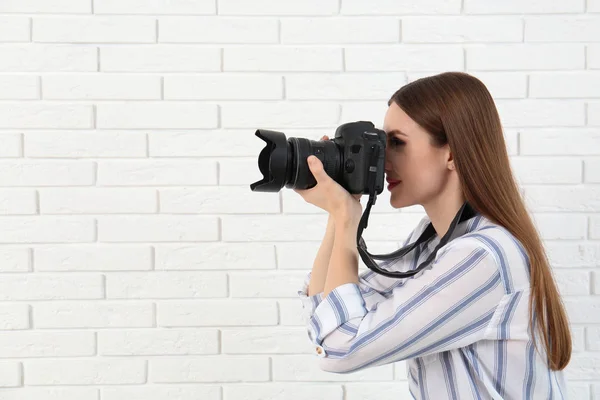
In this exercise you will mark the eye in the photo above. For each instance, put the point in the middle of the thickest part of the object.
(394, 141)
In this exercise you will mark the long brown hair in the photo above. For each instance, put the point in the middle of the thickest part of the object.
(457, 109)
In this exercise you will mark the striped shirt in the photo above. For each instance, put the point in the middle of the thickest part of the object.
(462, 324)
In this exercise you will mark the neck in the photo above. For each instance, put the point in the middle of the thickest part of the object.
(443, 209)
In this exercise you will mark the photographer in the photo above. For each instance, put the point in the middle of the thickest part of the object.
(484, 319)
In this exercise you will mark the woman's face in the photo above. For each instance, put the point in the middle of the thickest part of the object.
(421, 168)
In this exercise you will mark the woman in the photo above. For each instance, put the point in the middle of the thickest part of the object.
(486, 319)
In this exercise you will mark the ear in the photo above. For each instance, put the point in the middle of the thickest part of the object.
(450, 160)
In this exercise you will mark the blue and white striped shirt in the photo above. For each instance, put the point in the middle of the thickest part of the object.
(462, 324)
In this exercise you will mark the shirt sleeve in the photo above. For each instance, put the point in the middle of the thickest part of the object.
(449, 305)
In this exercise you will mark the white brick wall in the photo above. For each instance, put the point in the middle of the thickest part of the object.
(135, 262)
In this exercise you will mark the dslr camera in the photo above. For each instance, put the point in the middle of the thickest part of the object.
(354, 158)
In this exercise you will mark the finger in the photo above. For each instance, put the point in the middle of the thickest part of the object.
(316, 167)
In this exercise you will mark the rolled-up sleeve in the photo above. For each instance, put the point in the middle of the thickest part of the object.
(449, 305)
(309, 303)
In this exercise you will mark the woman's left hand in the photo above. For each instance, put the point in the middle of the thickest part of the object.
(330, 195)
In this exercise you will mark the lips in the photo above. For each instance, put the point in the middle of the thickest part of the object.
(392, 181)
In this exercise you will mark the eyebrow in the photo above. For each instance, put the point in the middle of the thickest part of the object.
(397, 131)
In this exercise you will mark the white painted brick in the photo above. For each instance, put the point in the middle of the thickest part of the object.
(51, 287)
(305, 368)
(217, 200)
(10, 145)
(593, 56)
(577, 390)
(572, 283)
(563, 199)
(157, 172)
(569, 255)
(59, 116)
(538, 170)
(402, 7)
(49, 6)
(101, 87)
(158, 228)
(92, 258)
(93, 314)
(284, 228)
(525, 57)
(592, 338)
(278, 7)
(17, 201)
(584, 367)
(224, 86)
(539, 113)
(288, 391)
(461, 29)
(282, 58)
(154, 7)
(98, 200)
(209, 369)
(160, 58)
(594, 227)
(564, 84)
(503, 85)
(290, 313)
(580, 28)
(265, 284)
(593, 6)
(347, 86)
(205, 143)
(381, 391)
(84, 144)
(51, 393)
(339, 30)
(403, 57)
(361, 110)
(85, 371)
(10, 374)
(47, 173)
(46, 229)
(265, 341)
(166, 285)
(592, 170)
(15, 259)
(14, 29)
(18, 87)
(158, 342)
(582, 310)
(217, 30)
(14, 317)
(596, 282)
(217, 313)
(563, 141)
(95, 29)
(578, 338)
(560, 226)
(47, 344)
(299, 114)
(47, 58)
(523, 6)
(593, 112)
(240, 171)
(217, 256)
(162, 392)
(158, 115)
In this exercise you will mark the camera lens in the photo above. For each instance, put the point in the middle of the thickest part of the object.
(283, 161)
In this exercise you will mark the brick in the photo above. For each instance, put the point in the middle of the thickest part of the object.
(373, 111)
(51, 287)
(383, 58)
(11, 374)
(19, 87)
(265, 284)
(217, 313)
(14, 29)
(402, 7)
(592, 170)
(97, 29)
(339, 30)
(217, 256)
(595, 227)
(101, 87)
(357, 391)
(593, 109)
(461, 29)
(47, 173)
(158, 228)
(217, 200)
(266, 116)
(47, 58)
(583, 310)
(265, 341)
(86, 144)
(47, 344)
(156, 115)
(568, 255)
(592, 338)
(578, 338)
(577, 390)
(14, 317)
(272, 228)
(98, 200)
(58, 116)
(85, 372)
(572, 283)
(208, 143)
(288, 391)
(555, 29)
(166, 392)
(564, 84)
(538, 170)
(557, 226)
(18, 202)
(277, 58)
(154, 7)
(584, 367)
(562, 141)
(346, 86)
(503, 85)
(158, 342)
(46, 229)
(98, 257)
(10, 145)
(593, 56)
(159, 58)
(217, 30)
(157, 172)
(278, 7)
(223, 87)
(209, 369)
(240, 171)
(15, 259)
(290, 312)
(541, 113)
(563, 198)
(93, 314)
(523, 7)
(305, 368)
(51, 393)
(525, 56)
(49, 6)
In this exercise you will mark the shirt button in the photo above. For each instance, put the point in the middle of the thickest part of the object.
(320, 351)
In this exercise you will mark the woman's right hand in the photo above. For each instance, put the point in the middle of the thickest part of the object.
(356, 196)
